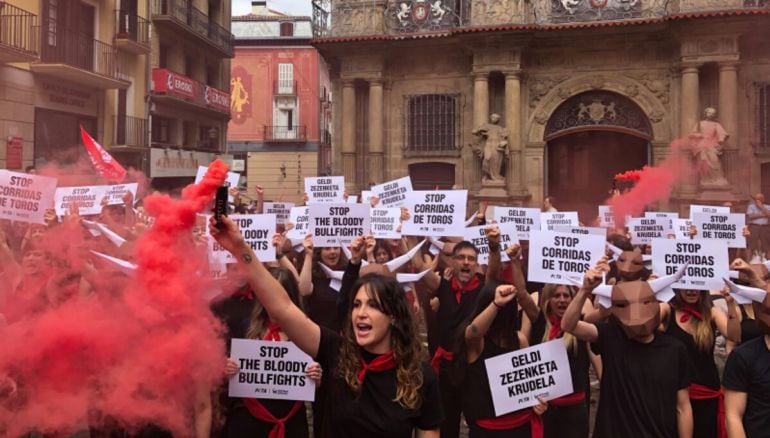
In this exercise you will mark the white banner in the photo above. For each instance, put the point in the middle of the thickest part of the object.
(643, 230)
(300, 217)
(89, 198)
(721, 226)
(519, 378)
(558, 257)
(660, 214)
(477, 236)
(393, 193)
(549, 220)
(708, 209)
(338, 224)
(325, 189)
(606, 216)
(25, 197)
(596, 231)
(707, 259)
(257, 229)
(525, 219)
(436, 213)
(281, 210)
(270, 370)
(385, 222)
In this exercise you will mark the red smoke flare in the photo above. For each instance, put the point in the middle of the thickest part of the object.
(630, 175)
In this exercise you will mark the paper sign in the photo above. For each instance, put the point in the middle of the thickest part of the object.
(436, 213)
(281, 210)
(89, 198)
(325, 189)
(270, 370)
(519, 378)
(721, 226)
(606, 216)
(258, 230)
(558, 257)
(682, 229)
(549, 220)
(526, 219)
(232, 178)
(338, 224)
(366, 197)
(352, 199)
(707, 262)
(25, 197)
(708, 209)
(385, 222)
(596, 231)
(643, 230)
(660, 215)
(300, 217)
(393, 193)
(477, 236)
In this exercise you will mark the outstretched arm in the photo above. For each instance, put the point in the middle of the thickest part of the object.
(571, 322)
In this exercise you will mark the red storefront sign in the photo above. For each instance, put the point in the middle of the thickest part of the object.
(216, 98)
(14, 148)
(168, 82)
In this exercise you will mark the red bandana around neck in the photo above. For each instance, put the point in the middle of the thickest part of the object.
(555, 327)
(689, 311)
(459, 291)
(273, 332)
(244, 293)
(381, 363)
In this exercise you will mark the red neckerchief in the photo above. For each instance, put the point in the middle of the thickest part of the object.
(687, 312)
(244, 293)
(380, 363)
(555, 327)
(459, 291)
(273, 332)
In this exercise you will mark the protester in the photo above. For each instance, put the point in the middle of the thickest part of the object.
(315, 285)
(758, 221)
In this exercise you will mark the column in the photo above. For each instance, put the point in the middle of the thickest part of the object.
(689, 115)
(480, 98)
(349, 134)
(728, 117)
(513, 124)
(375, 162)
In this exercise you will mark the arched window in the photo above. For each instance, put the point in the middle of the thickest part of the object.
(287, 29)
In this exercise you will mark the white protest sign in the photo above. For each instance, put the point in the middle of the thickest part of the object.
(643, 230)
(708, 209)
(551, 219)
(325, 189)
(606, 216)
(385, 222)
(393, 193)
(270, 370)
(115, 193)
(558, 257)
(477, 236)
(366, 197)
(707, 259)
(351, 199)
(525, 219)
(300, 217)
(338, 224)
(682, 229)
(257, 229)
(436, 213)
(519, 378)
(582, 230)
(25, 197)
(89, 198)
(232, 178)
(721, 226)
(661, 214)
(281, 210)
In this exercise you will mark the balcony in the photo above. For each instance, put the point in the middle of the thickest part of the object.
(293, 134)
(187, 93)
(132, 33)
(181, 16)
(130, 132)
(282, 87)
(78, 58)
(18, 38)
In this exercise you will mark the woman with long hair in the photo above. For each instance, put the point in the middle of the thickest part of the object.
(376, 378)
(315, 286)
(691, 318)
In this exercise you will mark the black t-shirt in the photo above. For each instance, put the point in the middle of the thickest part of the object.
(748, 370)
(639, 384)
(321, 306)
(373, 413)
(451, 314)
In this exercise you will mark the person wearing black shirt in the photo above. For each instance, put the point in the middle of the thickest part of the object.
(315, 287)
(376, 380)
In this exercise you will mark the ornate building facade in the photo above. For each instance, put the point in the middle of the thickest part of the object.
(584, 88)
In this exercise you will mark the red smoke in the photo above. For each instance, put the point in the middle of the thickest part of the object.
(136, 351)
(630, 175)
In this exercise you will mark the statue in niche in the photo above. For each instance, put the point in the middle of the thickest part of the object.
(707, 140)
(492, 147)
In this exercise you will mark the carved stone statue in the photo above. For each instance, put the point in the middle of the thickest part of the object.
(707, 140)
(492, 147)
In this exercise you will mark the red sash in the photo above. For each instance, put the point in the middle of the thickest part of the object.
(459, 291)
(380, 363)
(262, 414)
(700, 392)
(435, 362)
(514, 420)
(569, 400)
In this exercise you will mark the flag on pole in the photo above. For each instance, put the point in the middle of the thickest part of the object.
(108, 167)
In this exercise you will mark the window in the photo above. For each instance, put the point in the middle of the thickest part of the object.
(285, 79)
(287, 29)
(161, 130)
(432, 122)
(763, 121)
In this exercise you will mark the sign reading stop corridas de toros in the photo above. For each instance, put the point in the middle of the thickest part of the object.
(436, 213)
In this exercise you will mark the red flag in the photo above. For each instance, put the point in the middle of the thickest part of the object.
(108, 167)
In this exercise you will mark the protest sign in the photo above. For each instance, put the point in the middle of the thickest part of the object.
(385, 222)
(300, 217)
(477, 236)
(558, 257)
(707, 262)
(270, 370)
(549, 220)
(351, 199)
(643, 230)
(325, 189)
(682, 229)
(436, 213)
(606, 216)
(525, 219)
(581, 230)
(338, 224)
(393, 193)
(258, 230)
(366, 197)
(707, 209)
(25, 197)
(721, 226)
(89, 198)
(519, 378)
(232, 178)
(661, 214)
(281, 210)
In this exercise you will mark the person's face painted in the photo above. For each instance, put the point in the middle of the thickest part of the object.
(635, 307)
(560, 301)
(464, 264)
(371, 326)
(630, 265)
(330, 256)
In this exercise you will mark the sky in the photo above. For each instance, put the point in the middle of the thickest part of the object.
(291, 7)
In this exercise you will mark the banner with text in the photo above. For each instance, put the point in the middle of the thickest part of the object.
(436, 213)
(682, 229)
(89, 198)
(270, 370)
(606, 216)
(257, 229)
(643, 230)
(660, 214)
(597, 231)
(525, 219)
(25, 197)
(549, 220)
(721, 226)
(477, 236)
(300, 218)
(707, 262)
(281, 210)
(385, 223)
(393, 193)
(558, 257)
(338, 224)
(325, 189)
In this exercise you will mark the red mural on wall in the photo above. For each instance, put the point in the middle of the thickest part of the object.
(240, 95)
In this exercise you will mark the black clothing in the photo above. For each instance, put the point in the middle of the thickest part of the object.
(235, 313)
(749, 328)
(242, 424)
(748, 370)
(639, 384)
(321, 305)
(373, 413)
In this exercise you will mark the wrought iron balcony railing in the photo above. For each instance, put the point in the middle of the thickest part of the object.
(132, 27)
(77, 50)
(196, 21)
(18, 30)
(130, 131)
(285, 133)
